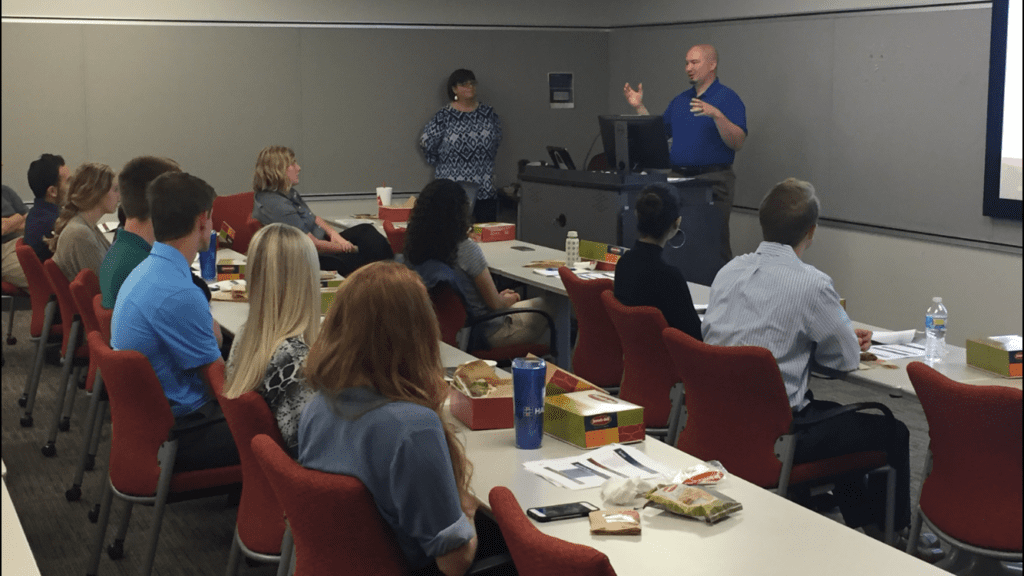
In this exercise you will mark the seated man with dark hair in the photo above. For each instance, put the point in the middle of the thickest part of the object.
(135, 239)
(771, 299)
(161, 313)
(48, 178)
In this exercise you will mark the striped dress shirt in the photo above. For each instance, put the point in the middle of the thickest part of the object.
(770, 298)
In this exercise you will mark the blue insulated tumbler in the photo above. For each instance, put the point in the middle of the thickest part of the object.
(528, 399)
(208, 259)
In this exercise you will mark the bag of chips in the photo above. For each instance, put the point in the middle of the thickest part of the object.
(693, 502)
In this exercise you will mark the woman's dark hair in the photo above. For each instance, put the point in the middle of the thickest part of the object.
(439, 221)
(458, 77)
(656, 210)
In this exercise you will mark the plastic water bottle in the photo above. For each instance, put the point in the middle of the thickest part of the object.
(572, 248)
(935, 331)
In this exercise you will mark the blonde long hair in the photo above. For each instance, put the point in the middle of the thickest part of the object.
(89, 184)
(283, 276)
(381, 331)
(271, 169)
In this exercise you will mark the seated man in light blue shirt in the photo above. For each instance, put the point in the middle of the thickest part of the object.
(772, 299)
(161, 313)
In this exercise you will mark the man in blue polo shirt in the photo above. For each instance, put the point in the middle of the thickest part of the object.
(161, 313)
(707, 124)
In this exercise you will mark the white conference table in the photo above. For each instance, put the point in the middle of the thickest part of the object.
(953, 366)
(771, 535)
(511, 258)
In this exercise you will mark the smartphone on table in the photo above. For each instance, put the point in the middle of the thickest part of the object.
(561, 511)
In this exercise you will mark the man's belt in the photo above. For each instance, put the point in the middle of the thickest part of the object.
(698, 170)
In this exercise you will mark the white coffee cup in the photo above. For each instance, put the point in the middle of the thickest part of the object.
(384, 194)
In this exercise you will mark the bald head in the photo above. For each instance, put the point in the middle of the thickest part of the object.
(708, 51)
(702, 65)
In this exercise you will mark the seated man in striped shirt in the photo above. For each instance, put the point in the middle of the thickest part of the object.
(772, 299)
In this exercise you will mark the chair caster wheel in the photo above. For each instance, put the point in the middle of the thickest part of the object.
(23, 401)
(50, 450)
(116, 550)
(65, 424)
(12, 341)
(26, 421)
(90, 462)
(94, 514)
(73, 493)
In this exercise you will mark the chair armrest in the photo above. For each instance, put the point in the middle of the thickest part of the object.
(799, 423)
(508, 312)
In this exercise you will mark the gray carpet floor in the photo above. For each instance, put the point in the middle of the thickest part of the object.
(196, 535)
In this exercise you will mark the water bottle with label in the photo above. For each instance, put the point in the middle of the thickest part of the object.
(572, 248)
(935, 320)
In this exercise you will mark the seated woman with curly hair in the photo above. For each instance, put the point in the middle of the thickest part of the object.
(439, 230)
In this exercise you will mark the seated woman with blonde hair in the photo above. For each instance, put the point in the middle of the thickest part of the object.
(284, 318)
(77, 243)
(377, 368)
(277, 200)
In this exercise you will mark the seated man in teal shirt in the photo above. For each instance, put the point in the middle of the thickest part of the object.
(161, 313)
(135, 239)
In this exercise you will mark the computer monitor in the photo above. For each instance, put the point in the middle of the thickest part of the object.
(634, 143)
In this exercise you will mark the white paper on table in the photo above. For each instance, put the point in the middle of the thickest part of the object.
(896, 351)
(596, 275)
(900, 337)
(546, 271)
(592, 469)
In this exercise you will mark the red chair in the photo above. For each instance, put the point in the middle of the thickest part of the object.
(103, 317)
(333, 519)
(648, 376)
(260, 528)
(537, 554)
(737, 412)
(597, 357)
(15, 295)
(253, 225)
(236, 211)
(972, 430)
(143, 447)
(84, 289)
(396, 236)
(44, 328)
(74, 352)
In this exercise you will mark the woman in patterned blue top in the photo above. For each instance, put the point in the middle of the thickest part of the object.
(461, 142)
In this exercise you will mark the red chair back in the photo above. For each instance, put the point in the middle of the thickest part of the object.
(597, 357)
(396, 236)
(142, 422)
(84, 288)
(39, 288)
(451, 313)
(333, 518)
(537, 554)
(235, 210)
(254, 226)
(648, 375)
(103, 316)
(260, 517)
(736, 405)
(68, 311)
(972, 429)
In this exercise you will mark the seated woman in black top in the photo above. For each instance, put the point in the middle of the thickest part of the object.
(642, 278)
(276, 200)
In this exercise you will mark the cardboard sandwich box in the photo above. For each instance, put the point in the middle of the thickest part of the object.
(999, 354)
(396, 212)
(493, 232)
(583, 414)
(230, 269)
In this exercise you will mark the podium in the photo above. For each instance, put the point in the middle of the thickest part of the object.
(599, 206)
